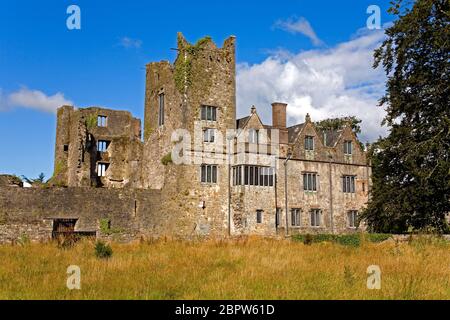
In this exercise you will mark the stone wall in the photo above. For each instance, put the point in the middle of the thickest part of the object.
(77, 156)
(30, 212)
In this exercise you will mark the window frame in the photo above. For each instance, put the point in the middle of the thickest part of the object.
(209, 173)
(102, 167)
(161, 107)
(352, 218)
(349, 184)
(209, 135)
(348, 147)
(296, 217)
(317, 214)
(102, 121)
(259, 216)
(253, 136)
(310, 181)
(309, 143)
(208, 113)
(104, 143)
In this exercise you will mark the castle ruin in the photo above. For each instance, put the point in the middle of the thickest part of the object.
(195, 170)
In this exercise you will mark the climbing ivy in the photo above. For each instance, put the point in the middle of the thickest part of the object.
(91, 121)
(183, 64)
(167, 159)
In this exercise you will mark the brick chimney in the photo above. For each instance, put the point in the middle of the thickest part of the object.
(279, 120)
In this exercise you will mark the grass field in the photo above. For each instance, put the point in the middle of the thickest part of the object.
(245, 269)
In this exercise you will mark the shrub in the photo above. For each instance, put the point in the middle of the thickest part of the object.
(103, 250)
(353, 240)
(308, 240)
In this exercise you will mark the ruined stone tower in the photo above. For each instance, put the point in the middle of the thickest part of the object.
(195, 93)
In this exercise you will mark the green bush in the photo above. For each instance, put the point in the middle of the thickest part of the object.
(353, 240)
(308, 240)
(103, 250)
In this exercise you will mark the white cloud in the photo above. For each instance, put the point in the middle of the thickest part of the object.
(127, 42)
(325, 83)
(33, 99)
(300, 25)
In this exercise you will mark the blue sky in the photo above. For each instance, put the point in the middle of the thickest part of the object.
(311, 49)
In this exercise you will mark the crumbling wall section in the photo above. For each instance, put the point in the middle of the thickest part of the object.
(29, 212)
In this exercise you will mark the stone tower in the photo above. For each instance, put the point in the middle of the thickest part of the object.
(195, 93)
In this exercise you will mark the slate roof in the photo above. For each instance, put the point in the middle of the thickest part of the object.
(240, 123)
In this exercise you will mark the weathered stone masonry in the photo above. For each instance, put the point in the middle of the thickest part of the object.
(105, 174)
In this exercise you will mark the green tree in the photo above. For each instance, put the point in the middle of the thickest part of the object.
(411, 167)
(339, 123)
(40, 179)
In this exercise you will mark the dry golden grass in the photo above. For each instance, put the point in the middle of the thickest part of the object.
(245, 269)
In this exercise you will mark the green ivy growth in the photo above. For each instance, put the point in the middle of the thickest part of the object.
(106, 229)
(352, 240)
(183, 65)
(167, 159)
(91, 121)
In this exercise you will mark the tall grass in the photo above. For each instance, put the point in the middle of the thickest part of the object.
(244, 269)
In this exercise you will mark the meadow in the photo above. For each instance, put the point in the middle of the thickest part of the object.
(247, 268)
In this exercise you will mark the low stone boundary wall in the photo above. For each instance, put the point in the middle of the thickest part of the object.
(29, 213)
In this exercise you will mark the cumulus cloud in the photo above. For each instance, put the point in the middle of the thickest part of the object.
(325, 83)
(127, 42)
(32, 99)
(299, 25)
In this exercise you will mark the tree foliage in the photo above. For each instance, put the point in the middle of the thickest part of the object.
(39, 180)
(411, 167)
(339, 123)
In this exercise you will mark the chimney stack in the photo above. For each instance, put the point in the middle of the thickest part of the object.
(279, 120)
(279, 115)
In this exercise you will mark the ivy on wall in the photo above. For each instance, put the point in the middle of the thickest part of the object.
(183, 65)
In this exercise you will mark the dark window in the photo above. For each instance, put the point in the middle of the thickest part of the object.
(161, 109)
(352, 218)
(208, 113)
(102, 121)
(315, 218)
(254, 176)
(209, 173)
(271, 177)
(310, 181)
(295, 217)
(348, 184)
(309, 143)
(66, 148)
(259, 216)
(348, 147)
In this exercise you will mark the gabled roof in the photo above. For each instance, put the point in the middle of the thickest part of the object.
(294, 131)
(330, 137)
(241, 123)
